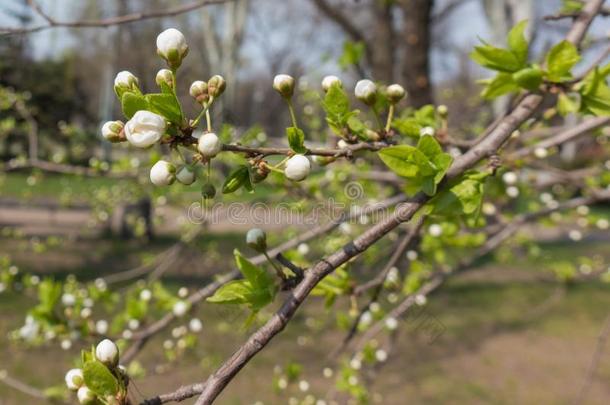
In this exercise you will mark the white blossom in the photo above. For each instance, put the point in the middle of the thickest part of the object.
(297, 168)
(186, 175)
(365, 91)
(172, 46)
(107, 352)
(328, 81)
(209, 145)
(74, 379)
(85, 395)
(145, 129)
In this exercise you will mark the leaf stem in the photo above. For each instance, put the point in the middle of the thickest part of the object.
(388, 123)
(293, 117)
(277, 268)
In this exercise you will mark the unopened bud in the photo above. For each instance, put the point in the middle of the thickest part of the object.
(395, 93)
(442, 111)
(74, 379)
(209, 145)
(259, 174)
(86, 396)
(199, 91)
(208, 191)
(172, 46)
(256, 238)
(186, 175)
(216, 86)
(366, 91)
(112, 131)
(284, 84)
(297, 168)
(329, 81)
(125, 82)
(162, 173)
(165, 76)
(107, 352)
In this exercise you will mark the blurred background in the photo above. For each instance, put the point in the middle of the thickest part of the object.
(70, 204)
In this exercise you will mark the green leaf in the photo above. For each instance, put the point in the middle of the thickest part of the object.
(337, 107)
(405, 160)
(296, 139)
(233, 292)
(517, 42)
(529, 78)
(99, 379)
(568, 103)
(502, 84)
(238, 178)
(352, 54)
(494, 58)
(166, 105)
(560, 60)
(258, 277)
(595, 93)
(407, 126)
(357, 127)
(464, 197)
(131, 103)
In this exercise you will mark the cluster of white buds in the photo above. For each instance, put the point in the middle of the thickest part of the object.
(395, 93)
(297, 168)
(284, 84)
(330, 81)
(112, 131)
(145, 128)
(125, 82)
(366, 91)
(172, 46)
(202, 91)
(107, 353)
(163, 173)
(209, 145)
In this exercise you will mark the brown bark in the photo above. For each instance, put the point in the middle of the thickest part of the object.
(416, 35)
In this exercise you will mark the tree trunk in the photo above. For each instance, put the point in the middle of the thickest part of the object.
(416, 39)
(383, 43)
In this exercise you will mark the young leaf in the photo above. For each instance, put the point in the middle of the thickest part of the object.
(131, 103)
(568, 103)
(296, 139)
(463, 198)
(528, 78)
(517, 42)
(166, 105)
(494, 58)
(502, 84)
(238, 178)
(560, 60)
(99, 379)
(258, 277)
(405, 160)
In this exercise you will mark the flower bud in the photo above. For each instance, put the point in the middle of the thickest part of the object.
(442, 111)
(85, 396)
(395, 93)
(112, 131)
(329, 81)
(145, 128)
(259, 173)
(180, 308)
(284, 85)
(74, 379)
(199, 91)
(125, 82)
(186, 175)
(162, 173)
(171, 46)
(165, 76)
(216, 85)
(366, 91)
(209, 145)
(208, 191)
(297, 168)
(510, 178)
(256, 238)
(107, 352)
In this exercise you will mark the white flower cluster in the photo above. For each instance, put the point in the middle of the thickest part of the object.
(107, 353)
